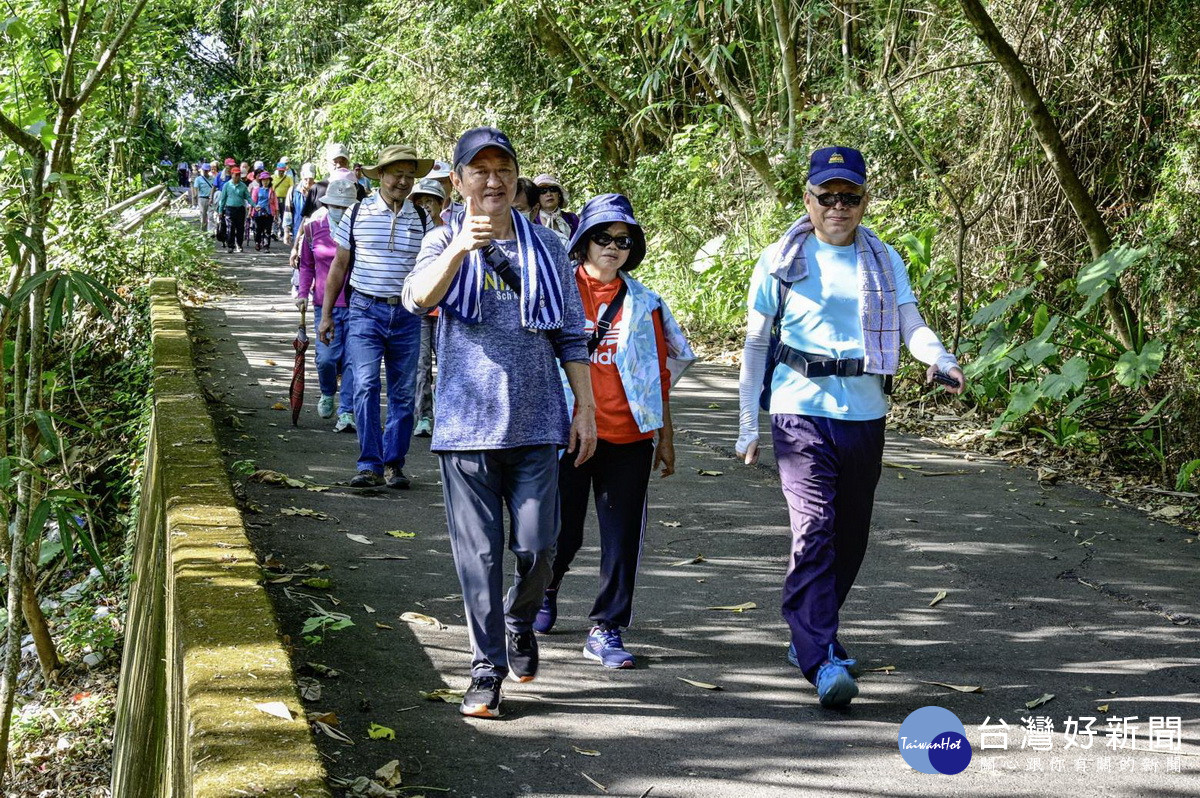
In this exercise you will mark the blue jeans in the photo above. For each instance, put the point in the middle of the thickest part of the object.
(381, 332)
(332, 361)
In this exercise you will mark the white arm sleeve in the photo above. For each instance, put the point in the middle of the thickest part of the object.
(921, 341)
(754, 366)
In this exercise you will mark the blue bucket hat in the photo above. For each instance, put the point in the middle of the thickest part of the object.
(603, 210)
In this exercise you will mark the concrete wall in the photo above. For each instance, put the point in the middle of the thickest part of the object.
(201, 647)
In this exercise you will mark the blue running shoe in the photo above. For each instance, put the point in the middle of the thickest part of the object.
(548, 614)
(604, 646)
(851, 664)
(835, 686)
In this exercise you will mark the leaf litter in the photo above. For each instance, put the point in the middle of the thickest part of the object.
(422, 620)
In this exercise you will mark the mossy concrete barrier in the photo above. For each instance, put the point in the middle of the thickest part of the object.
(202, 650)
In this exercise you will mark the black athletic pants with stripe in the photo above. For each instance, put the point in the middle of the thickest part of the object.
(618, 475)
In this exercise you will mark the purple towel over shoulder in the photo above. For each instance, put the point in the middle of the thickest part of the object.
(876, 287)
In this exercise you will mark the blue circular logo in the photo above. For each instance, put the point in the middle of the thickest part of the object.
(933, 740)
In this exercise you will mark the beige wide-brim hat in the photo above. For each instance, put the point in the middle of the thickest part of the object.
(550, 181)
(395, 153)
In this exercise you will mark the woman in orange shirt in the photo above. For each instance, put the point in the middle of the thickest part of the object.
(630, 327)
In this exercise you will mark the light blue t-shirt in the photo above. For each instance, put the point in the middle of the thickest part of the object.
(821, 316)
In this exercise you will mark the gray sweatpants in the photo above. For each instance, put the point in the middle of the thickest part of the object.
(477, 486)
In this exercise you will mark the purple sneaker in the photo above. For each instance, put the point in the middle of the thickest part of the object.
(604, 645)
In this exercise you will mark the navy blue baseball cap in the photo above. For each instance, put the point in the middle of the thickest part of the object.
(602, 211)
(837, 163)
(478, 139)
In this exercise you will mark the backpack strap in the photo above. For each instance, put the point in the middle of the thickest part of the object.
(764, 396)
(424, 218)
(353, 248)
(605, 322)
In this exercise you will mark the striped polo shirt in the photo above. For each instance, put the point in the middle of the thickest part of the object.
(386, 245)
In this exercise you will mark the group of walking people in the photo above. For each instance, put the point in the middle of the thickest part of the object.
(554, 372)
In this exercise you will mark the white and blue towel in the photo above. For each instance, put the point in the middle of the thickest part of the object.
(876, 288)
(541, 288)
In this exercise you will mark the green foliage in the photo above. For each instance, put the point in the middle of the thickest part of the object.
(322, 623)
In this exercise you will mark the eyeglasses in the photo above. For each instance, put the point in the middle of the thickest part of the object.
(604, 239)
(830, 200)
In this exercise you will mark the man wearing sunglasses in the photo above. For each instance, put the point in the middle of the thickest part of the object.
(829, 304)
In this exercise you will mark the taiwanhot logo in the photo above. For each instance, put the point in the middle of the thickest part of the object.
(933, 740)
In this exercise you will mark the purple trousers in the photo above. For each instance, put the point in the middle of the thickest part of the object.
(829, 469)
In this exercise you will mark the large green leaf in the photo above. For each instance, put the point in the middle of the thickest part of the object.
(1000, 307)
(1095, 279)
(1134, 369)
(1071, 378)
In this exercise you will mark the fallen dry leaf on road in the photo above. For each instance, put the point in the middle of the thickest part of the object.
(941, 595)
(279, 406)
(332, 732)
(961, 688)
(269, 362)
(699, 558)
(379, 625)
(265, 476)
(276, 708)
(314, 567)
(389, 774)
(1170, 511)
(323, 671)
(749, 605)
(595, 783)
(702, 472)
(360, 539)
(443, 694)
(1037, 702)
(584, 752)
(368, 608)
(310, 689)
(398, 533)
(423, 620)
(880, 669)
(703, 685)
(383, 557)
(317, 583)
(671, 524)
(1102, 708)
(330, 718)
(304, 511)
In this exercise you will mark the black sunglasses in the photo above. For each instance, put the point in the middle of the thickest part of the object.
(602, 239)
(830, 200)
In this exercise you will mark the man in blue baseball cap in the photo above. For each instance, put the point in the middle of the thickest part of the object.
(843, 303)
(510, 314)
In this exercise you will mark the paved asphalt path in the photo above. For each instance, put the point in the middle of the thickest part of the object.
(1048, 590)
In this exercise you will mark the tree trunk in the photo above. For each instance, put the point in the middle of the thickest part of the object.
(849, 36)
(781, 11)
(1122, 316)
(28, 440)
(35, 619)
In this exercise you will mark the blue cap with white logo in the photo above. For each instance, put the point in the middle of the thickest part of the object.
(478, 139)
(837, 163)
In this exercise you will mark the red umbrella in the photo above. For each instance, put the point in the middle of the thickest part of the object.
(296, 392)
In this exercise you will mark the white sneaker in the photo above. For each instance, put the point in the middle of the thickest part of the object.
(325, 406)
(345, 423)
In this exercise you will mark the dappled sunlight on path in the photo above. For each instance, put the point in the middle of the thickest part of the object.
(1048, 591)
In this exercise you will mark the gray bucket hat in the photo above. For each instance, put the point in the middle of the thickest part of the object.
(341, 194)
